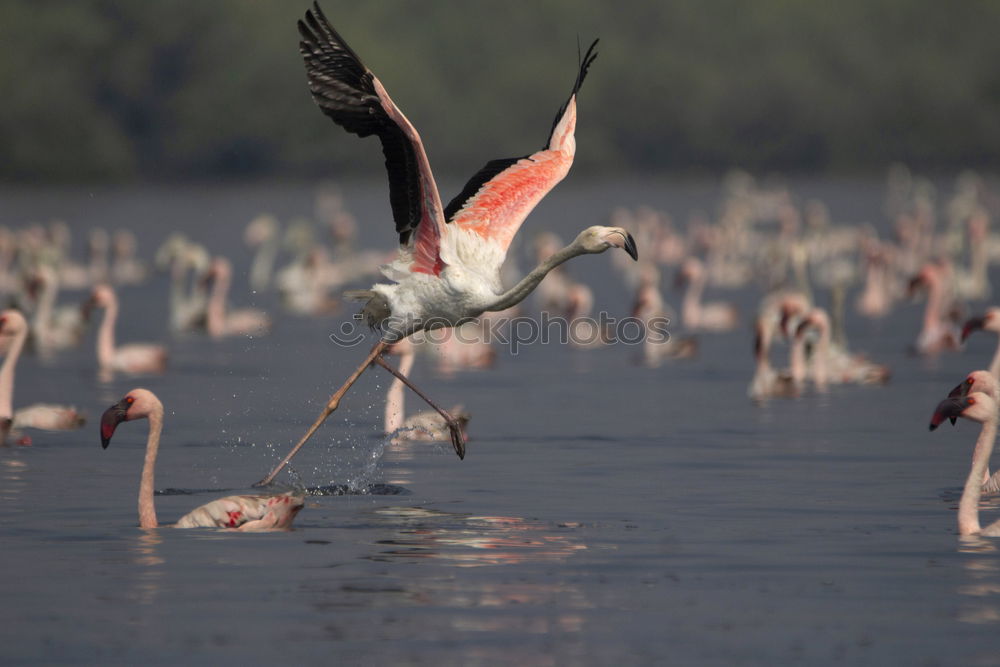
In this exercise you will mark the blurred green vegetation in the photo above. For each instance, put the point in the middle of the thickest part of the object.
(192, 89)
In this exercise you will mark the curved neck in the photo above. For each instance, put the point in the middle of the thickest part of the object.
(935, 304)
(216, 313)
(7, 374)
(106, 336)
(147, 510)
(522, 289)
(820, 358)
(691, 308)
(968, 506)
(995, 364)
(43, 313)
(797, 359)
(394, 400)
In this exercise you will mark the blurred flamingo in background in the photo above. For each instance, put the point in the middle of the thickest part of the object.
(423, 426)
(221, 321)
(133, 358)
(988, 321)
(43, 416)
(251, 513)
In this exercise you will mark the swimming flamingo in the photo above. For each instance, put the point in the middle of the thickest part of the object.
(832, 363)
(131, 358)
(41, 415)
(978, 407)
(988, 321)
(658, 343)
(448, 268)
(52, 328)
(245, 513)
(938, 332)
(985, 382)
(423, 426)
(700, 316)
(224, 322)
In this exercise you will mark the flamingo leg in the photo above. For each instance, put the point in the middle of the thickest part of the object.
(331, 405)
(457, 437)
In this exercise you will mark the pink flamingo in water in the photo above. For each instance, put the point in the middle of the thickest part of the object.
(982, 408)
(448, 268)
(43, 416)
(252, 513)
(423, 426)
(133, 358)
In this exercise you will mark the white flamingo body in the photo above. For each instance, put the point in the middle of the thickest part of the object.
(250, 513)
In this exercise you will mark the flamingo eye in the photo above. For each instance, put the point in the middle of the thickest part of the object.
(971, 401)
(129, 400)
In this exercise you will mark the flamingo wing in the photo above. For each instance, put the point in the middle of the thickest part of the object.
(348, 92)
(495, 201)
(246, 513)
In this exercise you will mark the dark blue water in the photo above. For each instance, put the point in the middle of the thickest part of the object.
(605, 513)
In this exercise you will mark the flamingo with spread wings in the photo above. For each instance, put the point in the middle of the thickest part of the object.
(448, 268)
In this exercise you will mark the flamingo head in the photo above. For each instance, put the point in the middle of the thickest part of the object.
(597, 239)
(137, 404)
(791, 310)
(977, 406)
(219, 269)
(989, 321)
(691, 268)
(12, 322)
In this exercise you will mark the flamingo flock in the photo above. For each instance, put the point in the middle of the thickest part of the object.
(813, 278)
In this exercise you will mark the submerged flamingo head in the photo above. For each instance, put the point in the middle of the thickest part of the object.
(136, 404)
(977, 406)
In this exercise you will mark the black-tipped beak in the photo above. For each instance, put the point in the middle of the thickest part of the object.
(110, 420)
(630, 247)
(961, 391)
(949, 408)
(972, 324)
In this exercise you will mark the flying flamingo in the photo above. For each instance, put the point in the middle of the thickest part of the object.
(41, 415)
(978, 407)
(133, 358)
(245, 513)
(989, 321)
(423, 426)
(448, 268)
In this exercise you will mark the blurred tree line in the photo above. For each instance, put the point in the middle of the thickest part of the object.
(191, 89)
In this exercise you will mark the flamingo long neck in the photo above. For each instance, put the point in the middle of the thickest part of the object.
(797, 359)
(216, 313)
(147, 510)
(263, 263)
(821, 357)
(106, 335)
(526, 286)
(968, 506)
(7, 374)
(762, 346)
(995, 364)
(935, 304)
(43, 315)
(394, 399)
(691, 308)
